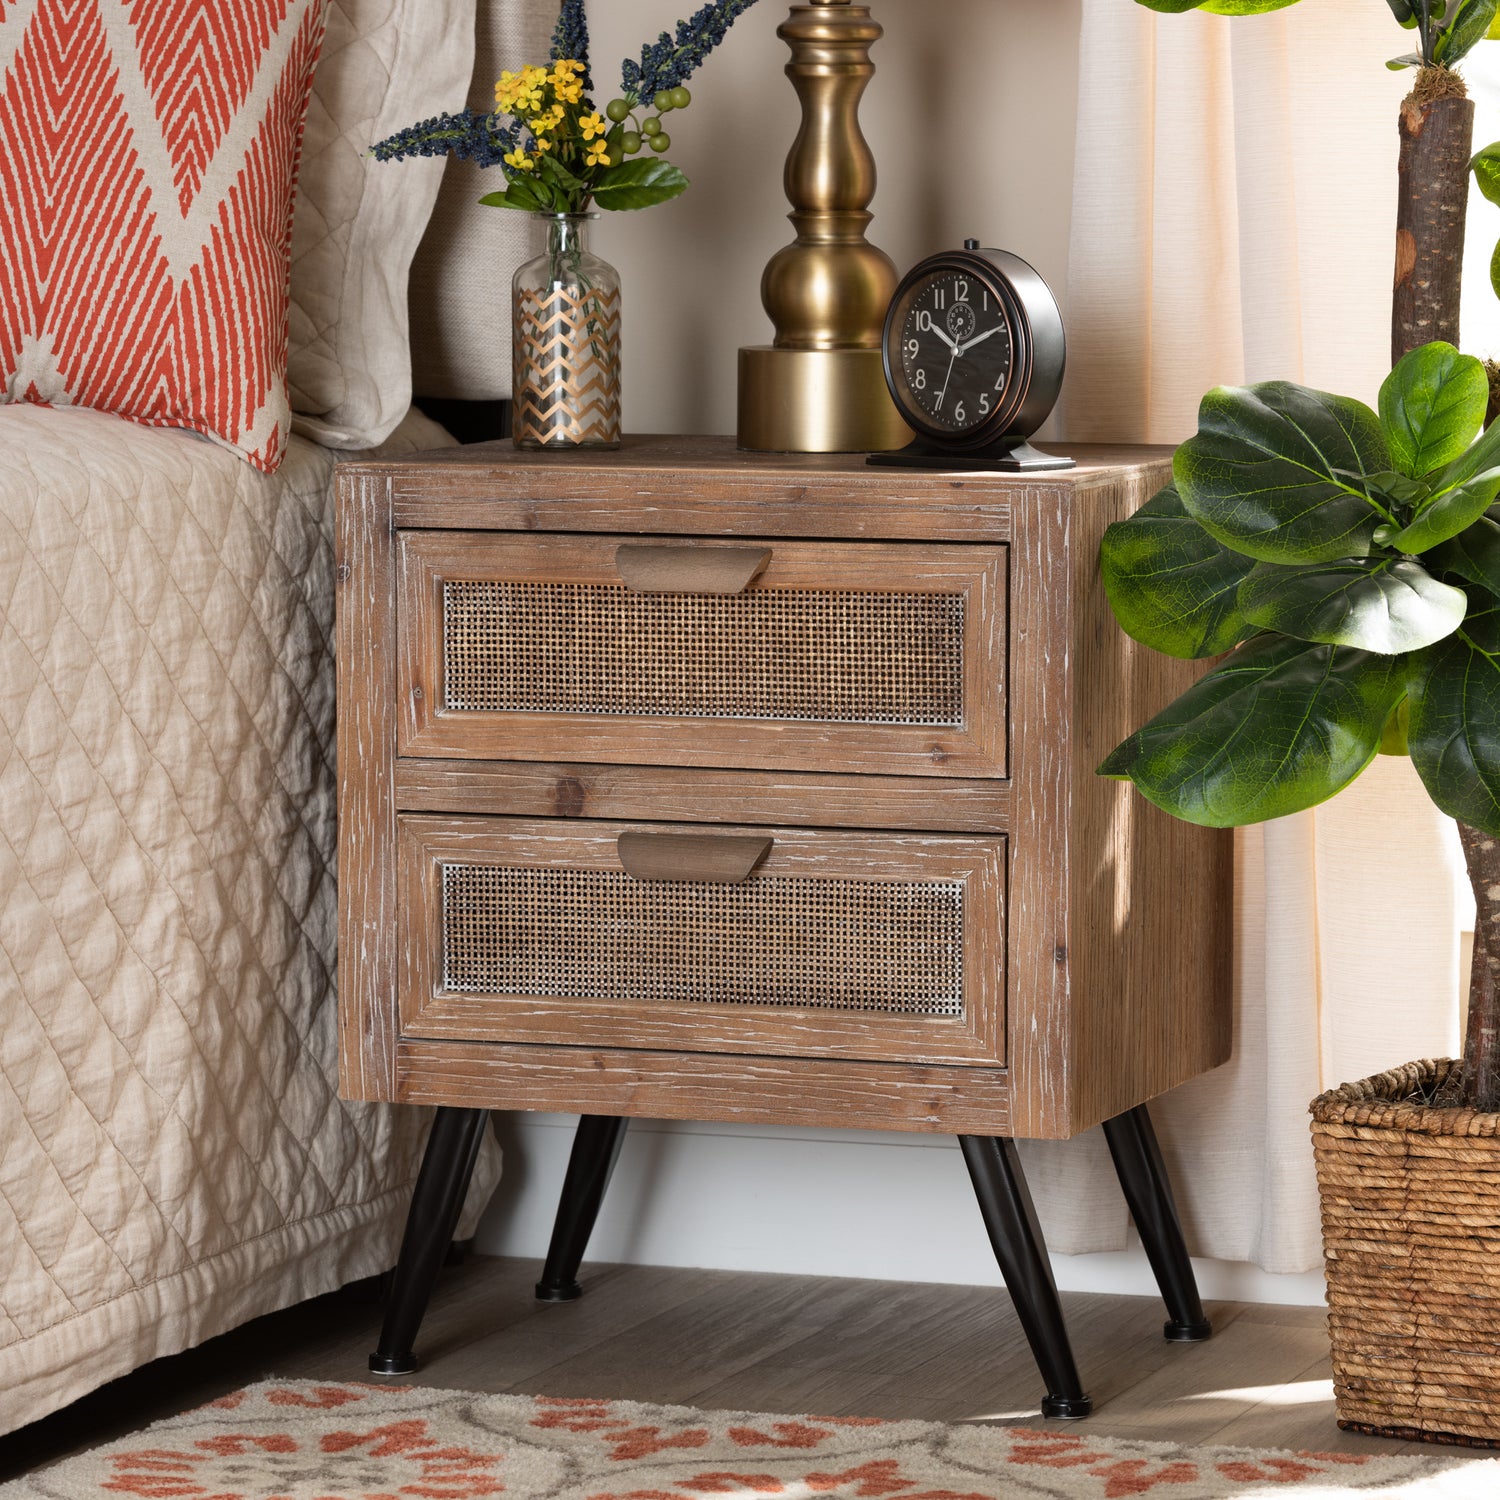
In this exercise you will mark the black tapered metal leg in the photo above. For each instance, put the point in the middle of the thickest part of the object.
(596, 1147)
(1148, 1191)
(436, 1202)
(1005, 1202)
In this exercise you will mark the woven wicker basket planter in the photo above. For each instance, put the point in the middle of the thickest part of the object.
(1411, 1240)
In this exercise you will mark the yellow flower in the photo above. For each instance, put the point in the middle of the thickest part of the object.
(592, 125)
(557, 115)
(541, 144)
(569, 93)
(598, 153)
(518, 159)
(540, 124)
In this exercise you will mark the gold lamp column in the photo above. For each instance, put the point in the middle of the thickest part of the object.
(820, 388)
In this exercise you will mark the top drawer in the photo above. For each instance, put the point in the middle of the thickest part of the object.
(811, 656)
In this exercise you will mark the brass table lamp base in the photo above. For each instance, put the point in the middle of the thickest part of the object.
(820, 388)
(816, 401)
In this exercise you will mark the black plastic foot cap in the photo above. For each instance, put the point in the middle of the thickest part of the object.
(1068, 1408)
(392, 1364)
(1186, 1333)
(565, 1291)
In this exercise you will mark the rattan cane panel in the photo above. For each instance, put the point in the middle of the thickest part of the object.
(828, 656)
(833, 944)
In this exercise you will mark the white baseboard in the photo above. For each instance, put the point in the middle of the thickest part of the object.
(821, 1203)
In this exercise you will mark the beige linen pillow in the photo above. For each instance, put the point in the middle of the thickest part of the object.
(385, 64)
(460, 279)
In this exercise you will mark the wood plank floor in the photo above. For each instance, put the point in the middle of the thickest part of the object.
(768, 1343)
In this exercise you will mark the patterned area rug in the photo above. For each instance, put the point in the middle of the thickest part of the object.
(358, 1442)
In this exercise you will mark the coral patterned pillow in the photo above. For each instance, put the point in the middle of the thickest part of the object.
(148, 155)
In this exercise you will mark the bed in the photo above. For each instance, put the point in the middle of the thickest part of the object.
(174, 1158)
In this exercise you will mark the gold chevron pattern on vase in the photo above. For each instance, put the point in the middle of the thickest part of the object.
(566, 388)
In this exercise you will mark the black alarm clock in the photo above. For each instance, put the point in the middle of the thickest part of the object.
(974, 353)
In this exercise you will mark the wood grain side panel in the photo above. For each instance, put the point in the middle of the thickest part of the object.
(698, 1086)
(1151, 897)
(430, 1009)
(570, 789)
(1039, 1001)
(365, 631)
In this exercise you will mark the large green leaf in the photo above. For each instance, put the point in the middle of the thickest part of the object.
(1432, 407)
(1454, 733)
(1461, 492)
(1378, 604)
(1401, 9)
(1280, 726)
(525, 193)
(1274, 471)
(638, 184)
(1471, 20)
(1217, 7)
(1170, 584)
(1473, 554)
(1485, 165)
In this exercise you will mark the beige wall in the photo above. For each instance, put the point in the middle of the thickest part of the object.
(971, 118)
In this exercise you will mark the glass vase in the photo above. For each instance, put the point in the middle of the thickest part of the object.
(565, 342)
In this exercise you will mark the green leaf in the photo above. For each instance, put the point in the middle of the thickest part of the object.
(1243, 7)
(553, 170)
(1495, 270)
(1471, 20)
(1390, 485)
(1461, 492)
(1171, 585)
(1455, 724)
(638, 184)
(1280, 726)
(1376, 604)
(1432, 407)
(1474, 554)
(521, 192)
(1444, 516)
(1406, 60)
(1173, 7)
(1401, 9)
(1393, 738)
(1486, 168)
(1268, 472)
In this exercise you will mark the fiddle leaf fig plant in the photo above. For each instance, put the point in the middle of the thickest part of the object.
(1348, 561)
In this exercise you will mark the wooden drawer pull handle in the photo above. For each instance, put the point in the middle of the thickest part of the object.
(689, 570)
(727, 858)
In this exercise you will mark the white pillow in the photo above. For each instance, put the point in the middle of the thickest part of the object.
(460, 279)
(385, 64)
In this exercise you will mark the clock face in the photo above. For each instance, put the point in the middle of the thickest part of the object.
(955, 350)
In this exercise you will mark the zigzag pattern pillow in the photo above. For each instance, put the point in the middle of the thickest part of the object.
(148, 157)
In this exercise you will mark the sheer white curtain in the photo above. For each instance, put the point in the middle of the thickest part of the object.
(1233, 220)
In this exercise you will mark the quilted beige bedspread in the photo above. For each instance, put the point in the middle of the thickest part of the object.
(174, 1158)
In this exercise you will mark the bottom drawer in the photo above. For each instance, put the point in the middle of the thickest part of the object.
(784, 942)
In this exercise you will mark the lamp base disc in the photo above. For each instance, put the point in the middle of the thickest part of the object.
(816, 401)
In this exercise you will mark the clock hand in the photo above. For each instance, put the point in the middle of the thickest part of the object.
(946, 378)
(964, 348)
(951, 343)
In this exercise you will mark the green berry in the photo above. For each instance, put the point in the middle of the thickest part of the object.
(630, 142)
(616, 110)
(650, 126)
(661, 141)
(681, 98)
(663, 101)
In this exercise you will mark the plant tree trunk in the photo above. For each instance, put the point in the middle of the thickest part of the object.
(1482, 1044)
(1437, 137)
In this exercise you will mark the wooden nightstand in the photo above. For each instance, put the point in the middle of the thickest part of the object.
(689, 783)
